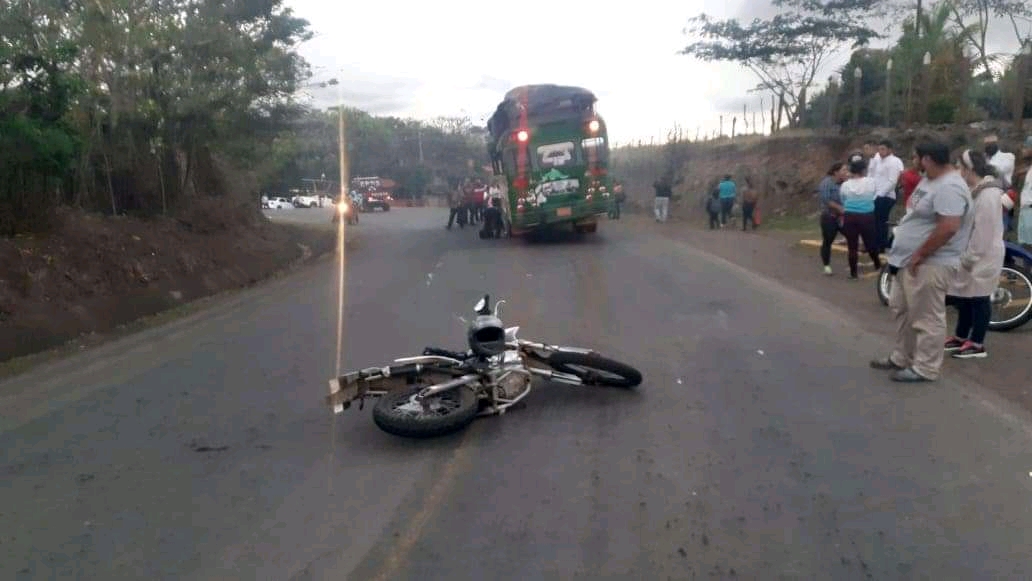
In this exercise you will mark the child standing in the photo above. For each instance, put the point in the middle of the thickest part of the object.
(713, 208)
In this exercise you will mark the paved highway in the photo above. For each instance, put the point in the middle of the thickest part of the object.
(759, 446)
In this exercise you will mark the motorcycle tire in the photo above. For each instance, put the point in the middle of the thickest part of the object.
(1025, 316)
(389, 418)
(587, 366)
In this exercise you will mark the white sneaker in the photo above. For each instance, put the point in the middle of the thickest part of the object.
(827, 270)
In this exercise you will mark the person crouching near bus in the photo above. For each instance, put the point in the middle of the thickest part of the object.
(982, 261)
(493, 225)
(858, 220)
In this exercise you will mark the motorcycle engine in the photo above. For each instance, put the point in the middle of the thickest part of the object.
(510, 386)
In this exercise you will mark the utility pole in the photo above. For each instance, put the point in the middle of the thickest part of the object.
(419, 137)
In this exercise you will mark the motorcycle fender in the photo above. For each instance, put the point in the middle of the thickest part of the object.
(581, 350)
(372, 382)
(342, 393)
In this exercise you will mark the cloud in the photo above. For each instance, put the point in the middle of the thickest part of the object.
(376, 94)
(493, 84)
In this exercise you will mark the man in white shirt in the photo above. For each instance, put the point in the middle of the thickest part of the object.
(886, 174)
(1003, 161)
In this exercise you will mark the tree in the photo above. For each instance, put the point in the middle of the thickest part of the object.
(982, 12)
(140, 104)
(788, 51)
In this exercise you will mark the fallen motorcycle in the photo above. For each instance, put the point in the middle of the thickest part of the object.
(443, 391)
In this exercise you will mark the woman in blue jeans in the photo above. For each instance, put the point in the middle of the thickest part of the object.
(831, 209)
(858, 193)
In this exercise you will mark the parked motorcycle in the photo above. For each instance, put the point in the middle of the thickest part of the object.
(1012, 300)
(443, 391)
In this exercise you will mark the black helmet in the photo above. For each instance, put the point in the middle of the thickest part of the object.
(486, 336)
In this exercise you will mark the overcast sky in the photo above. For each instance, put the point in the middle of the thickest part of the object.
(459, 57)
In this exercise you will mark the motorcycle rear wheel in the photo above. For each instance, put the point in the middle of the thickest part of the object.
(884, 285)
(1023, 280)
(593, 369)
(399, 414)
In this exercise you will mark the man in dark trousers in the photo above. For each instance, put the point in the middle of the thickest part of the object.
(454, 208)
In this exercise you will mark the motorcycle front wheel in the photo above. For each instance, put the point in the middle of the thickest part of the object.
(593, 369)
(400, 414)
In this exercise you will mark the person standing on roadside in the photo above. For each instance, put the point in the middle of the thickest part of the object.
(619, 197)
(1021, 178)
(886, 174)
(909, 179)
(1025, 206)
(713, 209)
(831, 209)
(664, 190)
(728, 193)
(454, 203)
(925, 256)
(858, 195)
(1003, 161)
(982, 260)
(749, 199)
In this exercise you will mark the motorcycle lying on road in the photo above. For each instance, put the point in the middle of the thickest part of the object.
(1013, 294)
(443, 391)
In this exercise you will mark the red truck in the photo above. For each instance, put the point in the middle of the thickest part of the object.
(375, 192)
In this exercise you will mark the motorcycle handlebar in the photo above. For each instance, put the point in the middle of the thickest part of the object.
(444, 353)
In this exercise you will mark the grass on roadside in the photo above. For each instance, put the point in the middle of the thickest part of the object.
(790, 223)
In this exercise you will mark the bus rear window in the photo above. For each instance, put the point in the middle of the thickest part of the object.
(595, 149)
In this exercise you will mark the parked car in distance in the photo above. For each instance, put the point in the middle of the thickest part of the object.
(277, 204)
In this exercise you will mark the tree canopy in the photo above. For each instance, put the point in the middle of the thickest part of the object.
(141, 106)
(788, 51)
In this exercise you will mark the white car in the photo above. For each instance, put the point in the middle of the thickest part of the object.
(279, 203)
(306, 202)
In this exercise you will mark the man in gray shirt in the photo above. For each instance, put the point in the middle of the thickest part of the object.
(925, 256)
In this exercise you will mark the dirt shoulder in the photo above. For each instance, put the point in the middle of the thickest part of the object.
(94, 275)
(777, 254)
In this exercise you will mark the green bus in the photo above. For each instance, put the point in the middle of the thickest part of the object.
(553, 149)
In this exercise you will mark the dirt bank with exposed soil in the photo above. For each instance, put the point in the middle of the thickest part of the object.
(93, 273)
(786, 169)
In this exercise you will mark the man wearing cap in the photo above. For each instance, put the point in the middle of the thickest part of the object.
(925, 256)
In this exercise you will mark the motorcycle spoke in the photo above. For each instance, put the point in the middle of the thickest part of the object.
(439, 405)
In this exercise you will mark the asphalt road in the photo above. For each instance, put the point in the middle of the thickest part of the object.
(759, 446)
